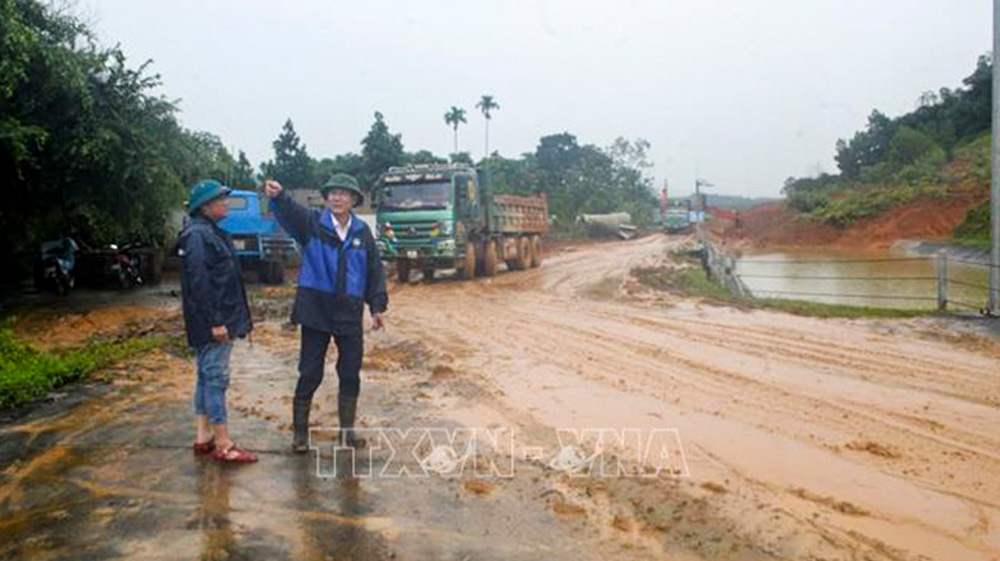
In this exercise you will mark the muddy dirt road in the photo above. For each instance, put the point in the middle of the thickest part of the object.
(793, 438)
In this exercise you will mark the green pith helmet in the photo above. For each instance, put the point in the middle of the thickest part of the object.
(205, 191)
(343, 181)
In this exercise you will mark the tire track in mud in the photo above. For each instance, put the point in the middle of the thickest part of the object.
(727, 368)
(755, 394)
(519, 344)
(768, 348)
(588, 338)
(775, 342)
(886, 362)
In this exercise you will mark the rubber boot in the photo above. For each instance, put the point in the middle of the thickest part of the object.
(300, 425)
(347, 409)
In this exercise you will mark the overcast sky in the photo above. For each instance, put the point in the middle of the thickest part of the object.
(742, 93)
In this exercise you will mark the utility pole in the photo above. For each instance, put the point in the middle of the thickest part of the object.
(700, 202)
(995, 175)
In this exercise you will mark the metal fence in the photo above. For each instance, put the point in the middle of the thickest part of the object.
(943, 288)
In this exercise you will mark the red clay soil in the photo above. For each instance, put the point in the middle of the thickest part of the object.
(773, 226)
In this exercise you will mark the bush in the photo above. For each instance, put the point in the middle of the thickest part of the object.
(978, 154)
(976, 225)
(868, 201)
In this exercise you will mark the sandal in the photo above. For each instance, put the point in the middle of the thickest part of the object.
(202, 448)
(233, 455)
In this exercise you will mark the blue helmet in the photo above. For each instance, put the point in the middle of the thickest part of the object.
(205, 191)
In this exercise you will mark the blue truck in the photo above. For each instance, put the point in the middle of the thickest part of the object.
(261, 244)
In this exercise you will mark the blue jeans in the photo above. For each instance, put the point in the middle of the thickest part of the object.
(213, 380)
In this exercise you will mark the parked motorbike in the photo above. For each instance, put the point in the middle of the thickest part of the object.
(55, 265)
(127, 266)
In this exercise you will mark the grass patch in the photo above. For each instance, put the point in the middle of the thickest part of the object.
(27, 374)
(823, 310)
(975, 243)
(689, 281)
(693, 281)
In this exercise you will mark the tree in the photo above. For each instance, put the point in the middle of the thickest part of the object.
(85, 144)
(867, 147)
(454, 117)
(380, 150)
(423, 157)
(291, 165)
(907, 146)
(556, 154)
(349, 163)
(461, 158)
(487, 105)
(243, 168)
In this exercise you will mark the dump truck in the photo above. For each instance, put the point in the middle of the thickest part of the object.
(677, 218)
(444, 216)
(260, 242)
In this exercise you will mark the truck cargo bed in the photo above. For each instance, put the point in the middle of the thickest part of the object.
(517, 214)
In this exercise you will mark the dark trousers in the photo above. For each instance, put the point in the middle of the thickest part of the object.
(312, 358)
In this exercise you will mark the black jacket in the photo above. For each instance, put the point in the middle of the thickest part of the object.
(337, 277)
(211, 286)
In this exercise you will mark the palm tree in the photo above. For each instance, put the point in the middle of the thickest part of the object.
(454, 117)
(486, 104)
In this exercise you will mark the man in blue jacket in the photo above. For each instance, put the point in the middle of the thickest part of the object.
(341, 271)
(215, 313)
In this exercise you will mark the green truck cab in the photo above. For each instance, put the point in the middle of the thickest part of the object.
(433, 217)
(677, 217)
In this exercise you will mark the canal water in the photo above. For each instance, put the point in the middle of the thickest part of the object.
(885, 278)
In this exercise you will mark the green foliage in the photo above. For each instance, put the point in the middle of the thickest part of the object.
(581, 179)
(487, 105)
(689, 280)
(823, 310)
(423, 157)
(809, 194)
(380, 150)
(844, 207)
(977, 156)
(867, 147)
(84, 143)
(461, 158)
(454, 117)
(975, 227)
(27, 374)
(291, 165)
(943, 142)
(349, 163)
(910, 146)
(942, 120)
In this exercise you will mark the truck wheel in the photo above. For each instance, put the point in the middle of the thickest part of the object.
(489, 258)
(536, 251)
(403, 270)
(523, 253)
(467, 266)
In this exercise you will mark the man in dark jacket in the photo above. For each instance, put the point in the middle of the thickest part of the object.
(341, 271)
(215, 313)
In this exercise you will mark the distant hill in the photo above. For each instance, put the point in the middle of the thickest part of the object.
(938, 152)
